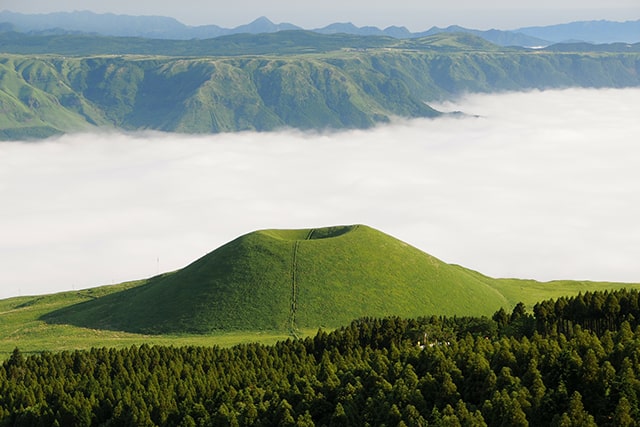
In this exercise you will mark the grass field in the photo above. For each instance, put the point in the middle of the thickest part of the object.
(20, 326)
(268, 286)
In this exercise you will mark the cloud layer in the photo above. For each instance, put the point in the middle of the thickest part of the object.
(541, 185)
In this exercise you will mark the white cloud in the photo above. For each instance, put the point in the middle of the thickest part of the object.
(542, 185)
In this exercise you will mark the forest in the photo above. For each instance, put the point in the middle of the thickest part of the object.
(565, 362)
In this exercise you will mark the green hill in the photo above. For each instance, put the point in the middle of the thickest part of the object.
(248, 288)
(285, 280)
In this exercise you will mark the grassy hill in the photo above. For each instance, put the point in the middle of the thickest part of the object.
(265, 285)
(293, 79)
(289, 279)
(283, 280)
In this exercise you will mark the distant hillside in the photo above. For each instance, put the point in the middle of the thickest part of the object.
(169, 28)
(108, 24)
(295, 79)
(498, 37)
(588, 47)
(597, 32)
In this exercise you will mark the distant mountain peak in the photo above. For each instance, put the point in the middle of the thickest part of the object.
(263, 25)
(159, 27)
(262, 20)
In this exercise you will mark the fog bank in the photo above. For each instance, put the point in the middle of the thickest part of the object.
(542, 185)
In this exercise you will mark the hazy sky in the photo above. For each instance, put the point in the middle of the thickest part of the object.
(543, 185)
(415, 14)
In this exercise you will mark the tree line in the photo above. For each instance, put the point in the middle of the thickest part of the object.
(571, 362)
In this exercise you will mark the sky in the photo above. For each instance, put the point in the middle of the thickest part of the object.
(540, 185)
(416, 15)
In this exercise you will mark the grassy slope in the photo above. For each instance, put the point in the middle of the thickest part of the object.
(37, 102)
(253, 282)
(199, 95)
(243, 285)
(249, 287)
(296, 80)
(21, 326)
(375, 274)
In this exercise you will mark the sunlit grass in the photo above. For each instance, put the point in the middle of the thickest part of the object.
(21, 328)
(329, 292)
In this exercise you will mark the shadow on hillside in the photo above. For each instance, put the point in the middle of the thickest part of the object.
(100, 311)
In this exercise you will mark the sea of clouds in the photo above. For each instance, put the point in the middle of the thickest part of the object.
(542, 185)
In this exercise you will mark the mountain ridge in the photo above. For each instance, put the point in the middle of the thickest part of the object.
(170, 28)
(288, 79)
(594, 32)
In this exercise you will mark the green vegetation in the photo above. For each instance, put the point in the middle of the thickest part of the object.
(21, 325)
(265, 286)
(574, 362)
(288, 279)
(56, 84)
(36, 103)
(279, 43)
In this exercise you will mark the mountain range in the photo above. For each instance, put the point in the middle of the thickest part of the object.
(169, 28)
(298, 79)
